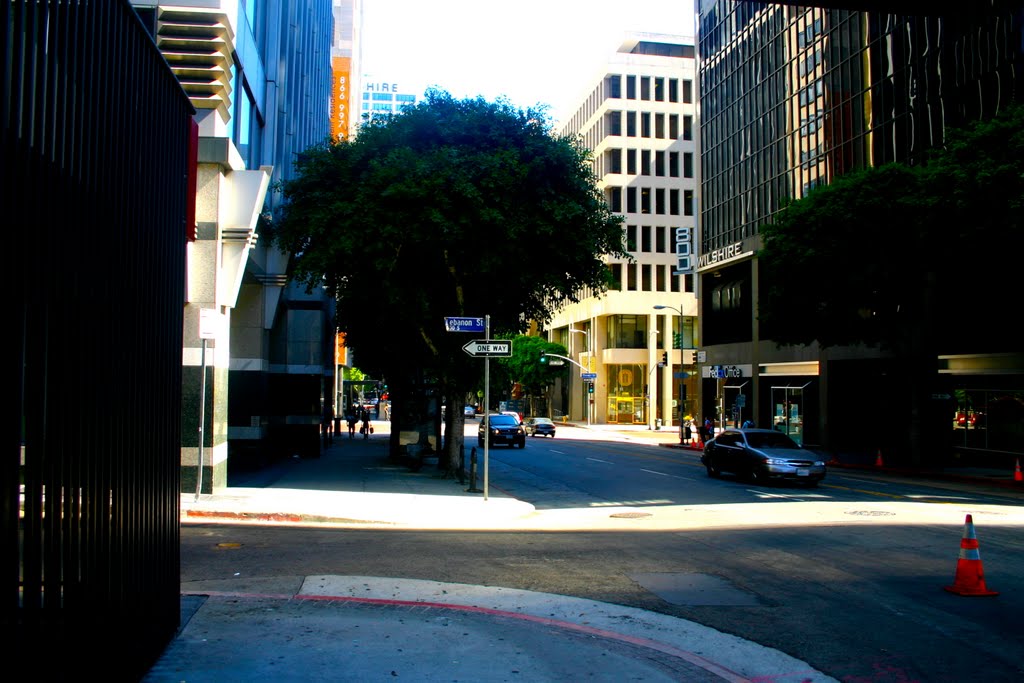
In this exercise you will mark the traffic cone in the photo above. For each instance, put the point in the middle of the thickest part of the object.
(1016, 472)
(878, 459)
(970, 577)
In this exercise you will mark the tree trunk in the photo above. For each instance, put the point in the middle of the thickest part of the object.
(450, 458)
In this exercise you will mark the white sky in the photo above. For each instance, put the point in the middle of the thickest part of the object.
(532, 51)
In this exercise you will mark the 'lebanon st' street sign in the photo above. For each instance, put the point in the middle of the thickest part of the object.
(482, 348)
(464, 324)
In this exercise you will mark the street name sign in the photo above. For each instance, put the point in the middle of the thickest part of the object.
(588, 375)
(464, 324)
(488, 348)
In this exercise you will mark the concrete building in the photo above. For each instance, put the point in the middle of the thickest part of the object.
(792, 97)
(383, 97)
(639, 120)
(257, 353)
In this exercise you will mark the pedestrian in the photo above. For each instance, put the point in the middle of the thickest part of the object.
(687, 432)
(748, 424)
(709, 429)
(366, 424)
(350, 417)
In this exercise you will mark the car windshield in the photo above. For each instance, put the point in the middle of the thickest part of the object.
(542, 421)
(503, 420)
(770, 440)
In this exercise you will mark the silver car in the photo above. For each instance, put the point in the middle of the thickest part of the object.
(761, 456)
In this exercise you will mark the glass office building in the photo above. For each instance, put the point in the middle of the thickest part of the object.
(792, 97)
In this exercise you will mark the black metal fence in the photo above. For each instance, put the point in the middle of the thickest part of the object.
(96, 141)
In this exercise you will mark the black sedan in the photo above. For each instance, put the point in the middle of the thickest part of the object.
(760, 456)
(504, 429)
(540, 426)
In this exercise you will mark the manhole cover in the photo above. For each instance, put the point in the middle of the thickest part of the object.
(870, 513)
(631, 515)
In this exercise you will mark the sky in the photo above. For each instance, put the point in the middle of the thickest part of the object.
(530, 51)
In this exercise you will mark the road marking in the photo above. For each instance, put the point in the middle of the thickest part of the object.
(559, 452)
(606, 462)
(666, 474)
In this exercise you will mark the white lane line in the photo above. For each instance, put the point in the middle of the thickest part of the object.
(606, 462)
(666, 474)
(559, 452)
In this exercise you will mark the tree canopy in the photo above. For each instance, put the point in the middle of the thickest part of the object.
(893, 255)
(450, 208)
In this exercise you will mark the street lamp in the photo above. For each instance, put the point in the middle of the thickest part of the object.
(662, 307)
(590, 366)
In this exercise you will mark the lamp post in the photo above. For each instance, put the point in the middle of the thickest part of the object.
(662, 307)
(587, 399)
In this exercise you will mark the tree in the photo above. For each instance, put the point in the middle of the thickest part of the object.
(525, 367)
(450, 208)
(888, 256)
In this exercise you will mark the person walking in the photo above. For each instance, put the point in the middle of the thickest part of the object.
(366, 424)
(351, 419)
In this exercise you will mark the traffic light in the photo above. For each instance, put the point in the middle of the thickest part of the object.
(664, 358)
(590, 387)
(677, 340)
(543, 357)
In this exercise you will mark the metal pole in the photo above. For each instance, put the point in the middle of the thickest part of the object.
(202, 419)
(487, 404)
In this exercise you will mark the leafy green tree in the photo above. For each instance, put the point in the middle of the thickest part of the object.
(450, 208)
(525, 367)
(902, 257)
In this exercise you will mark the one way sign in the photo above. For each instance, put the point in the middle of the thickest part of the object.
(486, 348)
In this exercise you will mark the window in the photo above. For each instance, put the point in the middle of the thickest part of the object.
(616, 271)
(673, 126)
(659, 126)
(631, 161)
(687, 164)
(630, 87)
(688, 202)
(630, 200)
(645, 125)
(673, 164)
(688, 92)
(645, 277)
(660, 275)
(659, 201)
(659, 239)
(659, 89)
(645, 162)
(613, 121)
(645, 238)
(614, 86)
(631, 124)
(613, 159)
(615, 199)
(659, 163)
(630, 238)
(631, 277)
(645, 88)
(687, 127)
(673, 202)
(673, 90)
(645, 200)
(626, 331)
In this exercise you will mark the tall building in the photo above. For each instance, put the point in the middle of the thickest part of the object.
(383, 97)
(345, 56)
(639, 121)
(257, 352)
(792, 97)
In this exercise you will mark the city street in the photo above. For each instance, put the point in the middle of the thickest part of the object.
(848, 576)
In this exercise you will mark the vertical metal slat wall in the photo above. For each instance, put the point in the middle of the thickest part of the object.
(95, 150)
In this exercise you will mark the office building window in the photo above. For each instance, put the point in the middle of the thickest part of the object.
(631, 124)
(660, 283)
(673, 126)
(645, 200)
(645, 125)
(688, 202)
(631, 277)
(614, 82)
(645, 88)
(613, 159)
(687, 127)
(659, 126)
(659, 239)
(631, 161)
(631, 238)
(688, 92)
(630, 200)
(613, 121)
(673, 164)
(645, 162)
(645, 277)
(615, 199)
(645, 238)
(673, 90)
(673, 202)
(659, 201)
(659, 89)
(616, 270)
(659, 163)
(630, 87)
(687, 164)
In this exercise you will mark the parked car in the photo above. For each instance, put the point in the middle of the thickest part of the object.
(469, 411)
(504, 429)
(517, 416)
(761, 456)
(539, 426)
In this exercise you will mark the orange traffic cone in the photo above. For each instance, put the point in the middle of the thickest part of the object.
(970, 577)
(878, 460)
(1016, 472)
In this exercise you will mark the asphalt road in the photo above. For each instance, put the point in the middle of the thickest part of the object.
(848, 576)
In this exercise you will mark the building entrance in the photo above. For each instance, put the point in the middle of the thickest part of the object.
(787, 411)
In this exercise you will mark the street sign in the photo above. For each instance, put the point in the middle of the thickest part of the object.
(588, 375)
(488, 348)
(464, 324)
(680, 375)
(556, 362)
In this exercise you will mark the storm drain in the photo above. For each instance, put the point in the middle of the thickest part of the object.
(630, 515)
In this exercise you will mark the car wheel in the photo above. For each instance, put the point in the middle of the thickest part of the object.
(480, 442)
(713, 471)
(756, 478)
(522, 444)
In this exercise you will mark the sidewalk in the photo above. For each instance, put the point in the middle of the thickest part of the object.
(357, 628)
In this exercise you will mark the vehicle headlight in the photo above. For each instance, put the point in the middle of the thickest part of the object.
(775, 461)
(819, 463)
